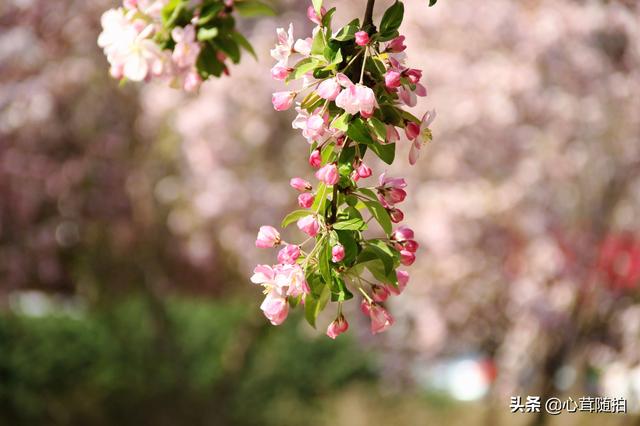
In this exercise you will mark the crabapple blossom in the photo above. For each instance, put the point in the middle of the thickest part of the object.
(300, 184)
(362, 38)
(350, 94)
(268, 236)
(328, 174)
(423, 136)
(306, 200)
(282, 101)
(309, 225)
(337, 253)
(337, 327)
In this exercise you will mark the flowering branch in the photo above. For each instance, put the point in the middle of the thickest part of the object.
(354, 87)
(182, 42)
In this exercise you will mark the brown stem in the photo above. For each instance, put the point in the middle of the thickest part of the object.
(368, 14)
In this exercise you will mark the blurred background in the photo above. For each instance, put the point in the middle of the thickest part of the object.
(128, 216)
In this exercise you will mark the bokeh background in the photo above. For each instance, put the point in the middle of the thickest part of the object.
(128, 215)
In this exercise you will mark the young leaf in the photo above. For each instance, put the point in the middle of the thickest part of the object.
(354, 224)
(342, 122)
(339, 290)
(392, 18)
(244, 43)
(379, 129)
(317, 6)
(323, 261)
(251, 8)
(321, 194)
(359, 132)
(207, 33)
(381, 215)
(294, 216)
(386, 152)
(303, 67)
(313, 306)
(348, 32)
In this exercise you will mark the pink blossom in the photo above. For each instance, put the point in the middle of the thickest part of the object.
(380, 318)
(264, 275)
(328, 174)
(403, 279)
(306, 200)
(407, 96)
(303, 46)
(187, 48)
(362, 38)
(420, 90)
(329, 89)
(337, 253)
(315, 159)
(414, 75)
(412, 130)
(402, 233)
(407, 258)
(379, 293)
(392, 79)
(357, 98)
(313, 126)
(314, 16)
(411, 245)
(396, 215)
(424, 136)
(397, 44)
(337, 327)
(391, 182)
(300, 184)
(289, 254)
(363, 170)
(291, 277)
(282, 100)
(392, 134)
(309, 225)
(275, 308)
(280, 72)
(268, 236)
(192, 81)
(284, 45)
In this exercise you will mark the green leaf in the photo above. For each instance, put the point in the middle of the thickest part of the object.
(392, 19)
(229, 47)
(244, 43)
(311, 101)
(326, 19)
(209, 12)
(317, 6)
(251, 8)
(353, 224)
(323, 261)
(294, 216)
(207, 33)
(313, 306)
(373, 251)
(386, 152)
(339, 290)
(348, 32)
(432, 2)
(208, 63)
(321, 195)
(381, 215)
(303, 67)
(379, 129)
(342, 122)
(358, 132)
(348, 241)
(319, 43)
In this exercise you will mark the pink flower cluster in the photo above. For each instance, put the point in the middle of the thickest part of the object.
(127, 39)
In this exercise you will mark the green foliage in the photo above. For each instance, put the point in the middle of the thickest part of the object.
(185, 362)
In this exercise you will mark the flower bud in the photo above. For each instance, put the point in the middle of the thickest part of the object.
(362, 38)
(309, 225)
(314, 16)
(282, 100)
(268, 236)
(337, 327)
(392, 79)
(403, 233)
(402, 280)
(412, 130)
(280, 72)
(328, 174)
(300, 184)
(379, 293)
(329, 89)
(305, 200)
(396, 215)
(397, 44)
(315, 159)
(407, 258)
(364, 171)
(289, 254)
(337, 253)
(411, 245)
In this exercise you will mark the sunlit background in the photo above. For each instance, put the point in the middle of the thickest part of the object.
(128, 217)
